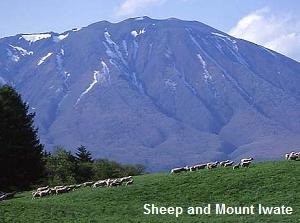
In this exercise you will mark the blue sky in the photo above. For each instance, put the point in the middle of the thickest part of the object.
(272, 23)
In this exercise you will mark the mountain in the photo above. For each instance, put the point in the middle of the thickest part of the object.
(158, 92)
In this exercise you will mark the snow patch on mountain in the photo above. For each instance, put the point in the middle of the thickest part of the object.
(139, 18)
(135, 33)
(76, 29)
(61, 69)
(117, 59)
(22, 51)
(207, 75)
(35, 37)
(112, 49)
(231, 45)
(60, 37)
(220, 35)
(98, 77)
(226, 39)
(43, 59)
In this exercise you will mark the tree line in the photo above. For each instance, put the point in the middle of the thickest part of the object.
(24, 163)
(62, 167)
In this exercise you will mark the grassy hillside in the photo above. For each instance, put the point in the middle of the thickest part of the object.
(270, 183)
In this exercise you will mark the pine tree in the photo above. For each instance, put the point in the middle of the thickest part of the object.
(21, 162)
(83, 155)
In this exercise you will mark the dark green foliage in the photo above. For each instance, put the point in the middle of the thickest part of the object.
(84, 171)
(61, 167)
(104, 169)
(64, 168)
(83, 155)
(20, 149)
(270, 183)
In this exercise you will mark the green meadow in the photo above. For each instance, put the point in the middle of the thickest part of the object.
(273, 183)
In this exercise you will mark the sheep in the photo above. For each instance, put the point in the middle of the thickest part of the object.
(89, 183)
(42, 188)
(245, 164)
(192, 168)
(287, 155)
(247, 159)
(222, 163)
(237, 166)
(212, 165)
(293, 157)
(62, 190)
(228, 164)
(126, 179)
(52, 191)
(41, 193)
(58, 187)
(6, 196)
(78, 186)
(129, 182)
(100, 183)
(72, 187)
(180, 169)
(197, 167)
(115, 183)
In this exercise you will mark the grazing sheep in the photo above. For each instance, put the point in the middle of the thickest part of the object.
(62, 190)
(41, 193)
(192, 168)
(222, 163)
(245, 164)
(42, 188)
(293, 157)
(247, 159)
(212, 165)
(115, 184)
(197, 167)
(129, 182)
(100, 183)
(58, 187)
(6, 196)
(72, 187)
(237, 166)
(89, 183)
(180, 169)
(228, 164)
(78, 186)
(52, 191)
(126, 179)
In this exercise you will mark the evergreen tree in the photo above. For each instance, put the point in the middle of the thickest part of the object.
(83, 155)
(21, 158)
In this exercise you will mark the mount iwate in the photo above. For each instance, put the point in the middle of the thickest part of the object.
(158, 92)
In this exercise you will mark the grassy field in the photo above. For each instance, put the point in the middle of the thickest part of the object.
(271, 184)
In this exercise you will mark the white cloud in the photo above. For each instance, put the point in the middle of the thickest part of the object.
(130, 7)
(275, 31)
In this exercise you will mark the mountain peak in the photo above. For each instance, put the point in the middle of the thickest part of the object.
(158, 92)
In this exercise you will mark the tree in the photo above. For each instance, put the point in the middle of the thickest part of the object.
(61, 167)
(21, 162)
(83, 155)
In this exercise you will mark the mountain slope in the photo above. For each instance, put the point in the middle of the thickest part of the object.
(158, 92)
(269, 184)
